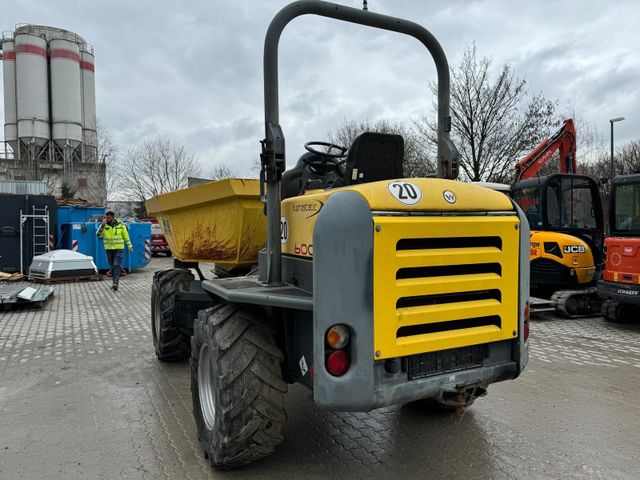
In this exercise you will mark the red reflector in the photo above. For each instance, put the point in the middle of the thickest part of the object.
(526, 330)
(338, 363)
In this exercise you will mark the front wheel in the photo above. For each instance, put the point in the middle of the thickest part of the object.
(236, 385)
(170, 342)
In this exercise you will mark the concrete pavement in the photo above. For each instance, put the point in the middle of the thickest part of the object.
(82, 397)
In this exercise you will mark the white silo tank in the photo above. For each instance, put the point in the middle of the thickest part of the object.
(32, 88)
(66, 98)
(87, 71)
(9, 83)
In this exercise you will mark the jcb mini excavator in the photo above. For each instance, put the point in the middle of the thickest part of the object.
(565, 214)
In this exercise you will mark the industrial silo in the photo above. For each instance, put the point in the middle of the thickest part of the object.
(89, 127)
(50, 109)
(66, 100)
(9, 82)
(32, 97)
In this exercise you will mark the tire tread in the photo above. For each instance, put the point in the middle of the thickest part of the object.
(250, 409)
(172, 344)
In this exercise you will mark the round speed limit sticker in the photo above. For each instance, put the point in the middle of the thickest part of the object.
(405, 192)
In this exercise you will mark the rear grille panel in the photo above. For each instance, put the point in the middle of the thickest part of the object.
(406, 302)
(436, 292)
(457, 242)
(546, 266)
(448, 270)
(450, 325)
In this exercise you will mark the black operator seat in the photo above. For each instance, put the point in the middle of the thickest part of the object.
(375, 156)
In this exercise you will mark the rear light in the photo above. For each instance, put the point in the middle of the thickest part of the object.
(338, 363)
(526, 330)
(338, 336)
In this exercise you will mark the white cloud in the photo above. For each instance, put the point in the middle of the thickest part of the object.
(193, 70)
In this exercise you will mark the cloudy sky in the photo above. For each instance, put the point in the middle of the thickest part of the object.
(193, 69)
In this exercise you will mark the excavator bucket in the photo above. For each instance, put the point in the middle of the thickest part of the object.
(220, 221)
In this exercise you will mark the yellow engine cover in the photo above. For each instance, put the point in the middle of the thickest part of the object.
(571, 252)
(299, 214)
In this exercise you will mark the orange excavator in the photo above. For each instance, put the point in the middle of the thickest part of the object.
(563, 142)
(620, 283)
(567, 227)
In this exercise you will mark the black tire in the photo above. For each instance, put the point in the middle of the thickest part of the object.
(236, 385)
(604, 310)
(168, 253)
(616, 312)
(170, 342)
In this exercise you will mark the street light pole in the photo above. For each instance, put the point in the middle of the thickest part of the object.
(612, 121)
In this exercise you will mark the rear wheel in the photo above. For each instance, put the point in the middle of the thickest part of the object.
(236, 385)
(170, 342)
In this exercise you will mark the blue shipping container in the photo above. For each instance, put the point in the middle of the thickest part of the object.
(71, 214)
(82, 236)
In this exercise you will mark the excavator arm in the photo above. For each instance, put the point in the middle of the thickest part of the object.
(563, 141)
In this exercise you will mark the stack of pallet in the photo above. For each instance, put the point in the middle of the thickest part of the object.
(11, 277)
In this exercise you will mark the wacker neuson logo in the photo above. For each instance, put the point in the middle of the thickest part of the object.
(449, 196)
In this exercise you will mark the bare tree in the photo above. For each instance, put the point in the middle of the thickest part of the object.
(416, 159)
(219, 171)
(102, 180)
(630, 156)
(626, 160)
(494, 120)
(590, 145)
(157, 166)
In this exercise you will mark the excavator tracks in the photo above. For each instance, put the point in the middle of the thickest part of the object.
(577, 303)
(618, 312)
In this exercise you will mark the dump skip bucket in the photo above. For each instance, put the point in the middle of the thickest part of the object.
(221, 222)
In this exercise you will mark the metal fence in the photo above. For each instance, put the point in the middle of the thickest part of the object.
(24, 187)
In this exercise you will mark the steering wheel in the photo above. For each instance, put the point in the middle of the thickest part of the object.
(327, 158)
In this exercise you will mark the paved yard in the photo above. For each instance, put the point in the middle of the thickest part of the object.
(82, 396)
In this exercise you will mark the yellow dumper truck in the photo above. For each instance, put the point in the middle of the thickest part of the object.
(368, 288)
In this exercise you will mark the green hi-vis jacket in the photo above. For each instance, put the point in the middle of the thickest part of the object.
(115, 235)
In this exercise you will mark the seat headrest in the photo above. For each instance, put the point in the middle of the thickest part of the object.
(375, 156)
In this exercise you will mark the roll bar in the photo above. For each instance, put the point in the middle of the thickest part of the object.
(272, 156)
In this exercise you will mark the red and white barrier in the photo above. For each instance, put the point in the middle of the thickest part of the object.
(147, 250)
(52, 243)
(74, 245)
